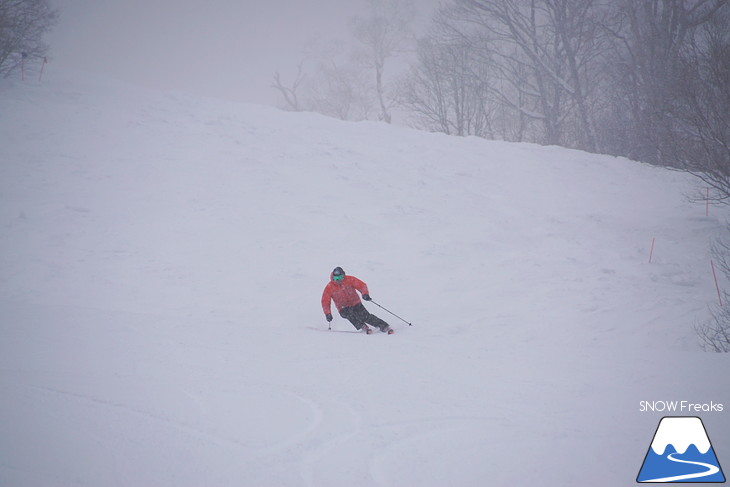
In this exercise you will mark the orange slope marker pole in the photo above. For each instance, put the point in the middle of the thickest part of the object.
(651, 252)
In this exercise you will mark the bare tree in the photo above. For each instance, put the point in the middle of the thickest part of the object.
(648, 39)
(545, 52)
(701, 142)
(700, 139)
(22, 26)
(333, 85)
(291, 97)
(340, 87)
(338, 91)
(424, 91)
(714, 334)
(578, 39)
(446, 90)
(384, 32)
(458, 87)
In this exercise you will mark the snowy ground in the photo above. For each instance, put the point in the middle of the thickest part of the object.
(162, 259)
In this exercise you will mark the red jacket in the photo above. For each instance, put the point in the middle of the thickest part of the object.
(343, 293)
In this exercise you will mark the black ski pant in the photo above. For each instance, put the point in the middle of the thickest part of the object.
(358, 316)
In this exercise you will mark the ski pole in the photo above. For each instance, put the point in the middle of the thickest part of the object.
(389, 311)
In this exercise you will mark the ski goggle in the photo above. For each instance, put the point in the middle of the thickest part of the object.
(338, 278)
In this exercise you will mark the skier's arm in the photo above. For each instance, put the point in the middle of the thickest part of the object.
(360, 286)
(327, 301)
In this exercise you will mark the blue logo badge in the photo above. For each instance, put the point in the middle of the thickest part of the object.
(681, 452)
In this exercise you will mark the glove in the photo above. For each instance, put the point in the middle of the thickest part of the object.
(328, 316)
(366, 297)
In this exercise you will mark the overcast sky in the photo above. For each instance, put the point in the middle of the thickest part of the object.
(220, 48)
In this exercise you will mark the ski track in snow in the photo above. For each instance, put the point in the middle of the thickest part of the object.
(199, 432)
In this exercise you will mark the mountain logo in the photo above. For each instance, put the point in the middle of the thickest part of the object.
(680, 452)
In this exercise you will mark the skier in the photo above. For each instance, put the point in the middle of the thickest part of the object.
(342, 289)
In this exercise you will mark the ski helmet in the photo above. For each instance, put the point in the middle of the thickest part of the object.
(338, 274)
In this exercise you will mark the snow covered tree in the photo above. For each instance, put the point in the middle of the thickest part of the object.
(22, 26)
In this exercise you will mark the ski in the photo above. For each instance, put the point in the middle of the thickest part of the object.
(369, 331)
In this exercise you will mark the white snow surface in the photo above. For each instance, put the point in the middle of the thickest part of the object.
(162, 259)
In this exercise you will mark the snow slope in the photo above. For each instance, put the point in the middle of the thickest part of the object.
(163, 256)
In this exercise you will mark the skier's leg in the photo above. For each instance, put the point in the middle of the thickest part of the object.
(375, 321)
(369, 318)
(352, 316)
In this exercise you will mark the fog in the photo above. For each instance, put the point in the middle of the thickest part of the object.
(621, 78)
(220, 48)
